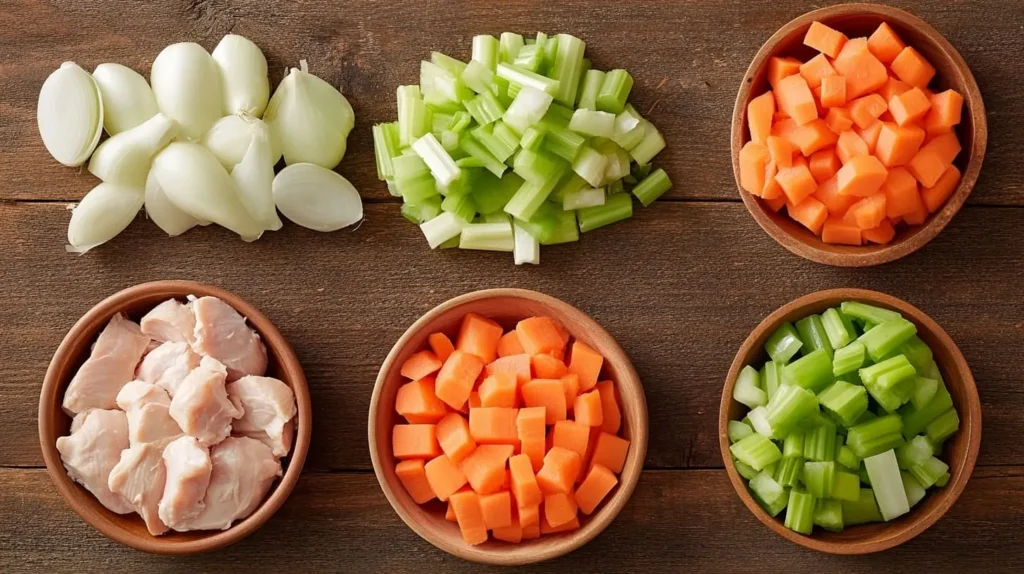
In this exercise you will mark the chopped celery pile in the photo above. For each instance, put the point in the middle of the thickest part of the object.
(846, 419)
(527, 131)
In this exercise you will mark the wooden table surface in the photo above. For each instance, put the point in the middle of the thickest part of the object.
(680, 285)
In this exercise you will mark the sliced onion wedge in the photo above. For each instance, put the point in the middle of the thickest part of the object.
(316, 197)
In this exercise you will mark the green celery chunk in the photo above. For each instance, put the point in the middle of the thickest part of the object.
(491, 194)
(924, 391)
(848, 459)
(475, 149)
(566, 229)
(417, 189)
(875, 436)
(532, 194)
(772, 496)
(942, 481)
(639, 170)
(425, 211)
(530, 57)
(887, 484)
(588, 197)
(616, 208)
(745, 470)
(890, 382)
(885, 338)
(557, 115)
(567, 67)
(460, 204)
(571, 183)
(739, 431)
(590, 165)
(838, 327)
(757, 451)
(793, 445)
(487, 237)
(413, 115)
(652, 187)
(409, 166)
(460, 121)
(615, 187)
(614, 91)
(532, 138)
(440, 162)
(529, 107)
(868, 313)
(863, 510)
(812, 333)
(478, 77)
(844, 402)
(943, 427)
(784, 344)
(527, 248)
(813, 371)
(771, 378)
(441, 85)
(848, 359)
(928, 472)
(500, 147)
(385, 147)
(509, 46)
(616, 159)
(819, 478)
(916, 420)
(560, 140)
(496, 217)
(917, 352)
(649, 146)
(486, 50)
(846, 487)
(550, 52)
(820, 442)
(790, 405)
(758, 418)
(485, 108)
(593, 123)
(518, 75)
(915, 492)
(828, 514)
(914, 452)
(789, 471)
(589, 89)
(447, 63)
(746, 389)
(444, 228)
(800, 512)
(538, 168)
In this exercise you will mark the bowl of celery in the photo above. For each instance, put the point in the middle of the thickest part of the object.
(850, 421)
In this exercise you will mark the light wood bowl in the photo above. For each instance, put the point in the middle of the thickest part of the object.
(856, 20)
(960, 450)
(129, 529)
(507, 307)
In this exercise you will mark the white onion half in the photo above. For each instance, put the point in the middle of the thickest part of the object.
(127, 98)
(254, 176)
(230, 136)
(165, 214)
(245, 85)
(70, 114)
(125, 158)
(186, 84)
(103, 213)
(316, 197)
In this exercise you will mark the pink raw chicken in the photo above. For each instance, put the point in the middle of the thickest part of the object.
(268, 405)
(201, 406)
(111, 364)
(139, 478)
(188, 475)
(243, 471)
(221, 333)
(170, 321)
(148, 409)
(93, 449)
(168, 365)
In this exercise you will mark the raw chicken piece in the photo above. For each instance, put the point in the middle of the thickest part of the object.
(243, 470)
(139, 478)
(110, 365)
(279, 446)
(148, 409)
(168, 365)
(97, 438)
(221, 333)
(201, 406)
(170, 321)
(268, 405)
(188, 475)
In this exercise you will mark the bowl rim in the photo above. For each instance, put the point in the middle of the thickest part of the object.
(600, 520)
(972, 409)
(289, 365)
(938, 220)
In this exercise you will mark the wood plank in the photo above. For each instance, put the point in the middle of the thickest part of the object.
(687, 67)
(333, 522)
(680, 286)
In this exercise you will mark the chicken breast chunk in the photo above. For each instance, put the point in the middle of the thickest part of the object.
(97, 438)
(201, 406)
(243, 471)
(171, 320)
(221, 333)
(268, 405)
(139, 478)
(110, 365)
(168, 365)
(188, 476)
(147, 407)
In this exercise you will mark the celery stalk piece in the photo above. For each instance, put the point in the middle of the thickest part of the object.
(566, 229)
(488, 237)
(385, 147)
(915, 492)
(570, 182)
(789, 470)
(590, 165)
(813, 371)
(532, 138)
(758, 417)
(783, 345)
(943, 480)
(475, 149)
(943, 427)
(409, 166)
(745, 470)
(812, 333)
(916, 420)
(640, 170)
(557, 115)
(508, 47)
(478, 77)
(527, 109)
(924, 391)
(425, 211)
(828, 514)
(567, 67)
(746, 389)
(848, 459)
(846, 487)
(793, 445)
(531, 195)
(800, 512)
(757, 451)
(914, 452)
(590, 87)
(441, 86)
(820, 442)
(460, 204)
(442, 228)
(615, 187)
(614, 91)
(629, 128)
(441, 165)
(495, 217)
(863, 511)
(844, 402)
(417, 189)
(452, 243)
(439, 122)
(537, 167)
(887, 484)
(650, 146)
(652, 187)
(491, 194)
(525, 78)
(486, 49)
(530, 57)
(450, 143)
(447, 63)
(772, 496)
(789, 406)
(500, 147)
(485, 108)
(838, 327)
(917, 352)
(589, 197)
(886, 337)
(738, 431)
(593, 123)
(561, 141)
(848, 358)
(868, 313)
(875, 436)
(616, 208)
(928, 472)
(550, 53)
(413, 115)
(460, 121)
(819, 478)
(617, 164)
(890, 382)
(771, 378)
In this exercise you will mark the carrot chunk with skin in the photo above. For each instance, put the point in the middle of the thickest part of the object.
(935, 196)
(560, 508)
(571, 435)
(414, 479)
(897, 145)
(911, 67)
(547, 393)
(793, 96)
(932, 160)
(861, 176)
(893, 87)
(586, 363)
(824, 164)
(759, 117)
(901, 195)
(493, 425)
(540, 335)
(508, 345)
(610, 452)
(599, 482)
(456, 378)
(754, 158)
(587, 410)
(529, 516)
(414, 441)
(781, 151)
(441, 345)
(546, 528)
(836, 203)
(485, 467)
(496, 509)
(839, 232)
(499, 390)
(779, 68)
(811, 213)
(610, 414)
(547, 367)
(559, 471)
(839, 120)
(454, 437)
(479, 336)
(881, 235)
(531, 429)
(813, 136)
(444, 476)
(885, 44)
(824, 39)
(470, 517)
(524, 481)
(417, 402)
(833, 92)
(796, 182)
(420, 365)
(909, 106)
(867, 109)
(518, 365)
(870, 135)
(850, 146)
(863, 72)
(816, 69)
(868, 212)
(945, 112)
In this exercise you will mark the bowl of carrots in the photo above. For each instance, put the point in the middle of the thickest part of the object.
(507, 427)
(858, 133)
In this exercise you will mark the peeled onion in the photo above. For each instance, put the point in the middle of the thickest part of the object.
(245, 85)
(165, 214)
(186, 84)
(230, 136)
(103, 213)
(316, 197)
(127, 98)
(125, 157)
(254, 176)
(70, 114)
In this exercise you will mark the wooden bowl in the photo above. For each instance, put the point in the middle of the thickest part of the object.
(129, 529)
(856, 20)
(507, 307)
(960, 451)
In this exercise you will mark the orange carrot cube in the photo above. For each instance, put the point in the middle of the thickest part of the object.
(861, 176)
(911, 67)
(850, 146)
(909, 106)
(901, 195)
(932, 160)
(559, 471)
(816, 69)
(813, 136)
(420, 365)
(754, 158)
(479, 336)
(836, 203)
(586, 363)
(417, 402)
(897, 145)
(547, 393)
(868, 212)
(497, 509)
(518, 365)
(599, 482)
(823, 164)
(509, 344)
(610, 414)
(824, 39)
(759, 117)
(493, 425)
(610, 452)
(863, 72)
(839, 120)
(587, 410)
(539, 335)
(414, 441)
(531, 430)
(885, 44)
(485, 467)
(839, 232)
(499, 390)
(935, 196)
(470, 517)
(456, 378)
(779, 68)
(881, 235)
(524, 481)
(413, 475)
(833, 92)
(560, 508)
(454, 437)
(441, 345)
(571, 435)
(794, 98)
(796, 182)
(867, 109)
(444, 476)
(547, 367)
(945, 112)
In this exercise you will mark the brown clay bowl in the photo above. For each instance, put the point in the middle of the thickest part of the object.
(960, 450)
(54, 422)
(856, 20)
(507, 307)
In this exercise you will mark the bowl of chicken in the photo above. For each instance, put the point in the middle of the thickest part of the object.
(174, 418)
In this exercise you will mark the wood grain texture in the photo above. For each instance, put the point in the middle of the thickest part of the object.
(687, 67)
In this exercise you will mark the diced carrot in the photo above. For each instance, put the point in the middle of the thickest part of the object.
(824, 39)
(885, 44)
(813, 136)
(546, 528)
(838, 120)
(897, 145)
(836, 203)
(571, 386)
(839, 232)
(759, 117)
(815, 69)
(610, 452)
(909, 106)
(444, 476)
(850, 146)
(441, 345)
(540, 335)
(862, 70)
(916, 218)
(530, 428)
(793, 96)
(497, 509)
(781, 151)
(420, 365)
(508, 344)
(456, 378)
(474, 401)
(945, 112)
(479, 336)
(811, 213)
(776, 204)
(779, 68)
(893, 87)
(882, 234)
(865, 110)
(816, 92)
(454, 437)
(870, 135)
(493, 425)
(562, 332)
(796, 182)
(529, 516)
(512, 533)
(587, 410)
(485, 467)
(935, 196)
(754, 158)
(470, 517)
(417, 402)
(571, 435)
(547, 367)
(901, 195)
(610, 413)
(911, 67)
(518, 365)
(586, 363)
(824, 164)
(414, 479)
(771, 189)
(868, 212)
(559, 471)
(861, 176)
(599, 482)
(449, 515)
(833, 92)
(932, 160)
(499, 390)
(547, 393)
(560, 508)
(414, 441)
(524, 481)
